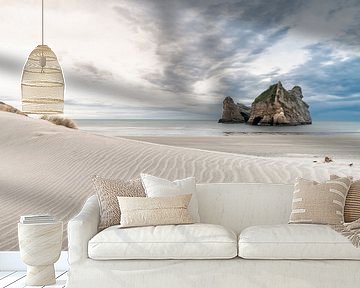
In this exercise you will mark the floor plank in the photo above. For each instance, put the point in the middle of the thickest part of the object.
(60, 281)
(12, 279)
(16, 279)
(4, 274)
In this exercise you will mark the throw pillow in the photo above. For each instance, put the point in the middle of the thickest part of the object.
(352, 202)
(107, 190)
(139, 211)
(158, 187)
(319, 203)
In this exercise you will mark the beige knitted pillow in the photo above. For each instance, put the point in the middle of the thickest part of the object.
(352, 203)
(138, 211)
(320, 203)
(107, 190)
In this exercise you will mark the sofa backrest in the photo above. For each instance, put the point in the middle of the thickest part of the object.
(239, 205)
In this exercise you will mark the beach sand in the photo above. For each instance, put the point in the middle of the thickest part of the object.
(339, 147)
(45, 168)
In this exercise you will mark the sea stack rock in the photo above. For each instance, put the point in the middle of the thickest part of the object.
(277, 106)
(234, 113)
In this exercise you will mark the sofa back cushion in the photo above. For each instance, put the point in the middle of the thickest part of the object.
(239, 205)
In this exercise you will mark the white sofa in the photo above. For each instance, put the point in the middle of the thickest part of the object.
(245, 243)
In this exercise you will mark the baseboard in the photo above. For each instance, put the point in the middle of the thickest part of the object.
(11, 260)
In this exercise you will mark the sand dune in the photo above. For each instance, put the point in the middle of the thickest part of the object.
(46, 168)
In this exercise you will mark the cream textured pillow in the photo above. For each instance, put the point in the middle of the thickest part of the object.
(352, 203)
(320, 203)
(158, 187)
(139, 211)
(107, 190)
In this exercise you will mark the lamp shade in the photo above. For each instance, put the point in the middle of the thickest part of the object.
(42, 83)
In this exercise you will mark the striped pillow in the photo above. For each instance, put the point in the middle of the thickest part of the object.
(319, 203)
(352, 203)
(146, 211)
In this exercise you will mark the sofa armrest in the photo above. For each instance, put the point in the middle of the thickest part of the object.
(82, 228)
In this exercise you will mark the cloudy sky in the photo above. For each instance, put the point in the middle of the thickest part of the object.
(179, 59)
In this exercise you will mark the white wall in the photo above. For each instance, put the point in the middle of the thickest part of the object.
(11, 260)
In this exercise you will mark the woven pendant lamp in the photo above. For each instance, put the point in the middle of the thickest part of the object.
(42, 82)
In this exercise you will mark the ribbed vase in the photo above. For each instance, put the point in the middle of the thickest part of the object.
(42, 83)
(40, 248)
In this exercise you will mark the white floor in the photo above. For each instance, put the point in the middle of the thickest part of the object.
(16, 279)
(13, 270)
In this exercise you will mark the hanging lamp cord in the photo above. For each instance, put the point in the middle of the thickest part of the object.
(42, 22)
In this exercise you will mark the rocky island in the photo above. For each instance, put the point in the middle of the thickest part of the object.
(275, 106)
(234, 113)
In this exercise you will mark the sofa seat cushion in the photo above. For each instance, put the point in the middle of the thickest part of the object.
(192, 241)
(295, 241)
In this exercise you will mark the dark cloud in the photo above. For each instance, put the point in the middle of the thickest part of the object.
(89, 70)
(351, 37)
(213, 33)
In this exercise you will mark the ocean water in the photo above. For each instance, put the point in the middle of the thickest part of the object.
(116, 127)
